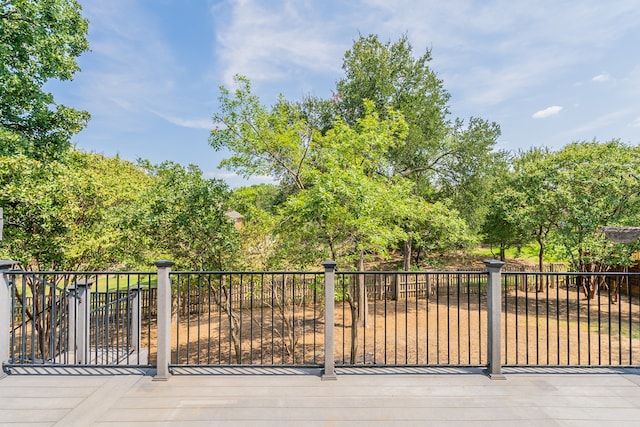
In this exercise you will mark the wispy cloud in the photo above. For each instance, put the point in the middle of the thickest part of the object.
(601, 78)
(500, 59)
(187, 123)
(547, 112)
(514, 46)
(268, 43)
(131, 69)
(599, 124)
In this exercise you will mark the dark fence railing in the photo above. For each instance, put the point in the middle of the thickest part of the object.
(571, 319)
(66, 318)
(425, 318)
(248, 318)
(278, 318)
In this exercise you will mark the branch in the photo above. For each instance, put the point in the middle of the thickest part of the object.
(430, 166)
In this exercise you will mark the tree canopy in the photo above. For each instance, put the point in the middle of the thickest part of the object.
(563, 199)
(39, 41)
(182, 216)
(385, 134)
(69, 214)
(380, 168)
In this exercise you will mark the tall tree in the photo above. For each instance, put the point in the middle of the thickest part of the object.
(258, 204)
(274, 142)
(448, 161)
(528, 199)
(39, 41)
(350, 204)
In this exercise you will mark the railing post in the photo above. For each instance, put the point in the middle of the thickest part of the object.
(5, 313)
(164, 320)
(494, 316)
(79, 328)
(72, 331)
(329, 316)
(135, 320)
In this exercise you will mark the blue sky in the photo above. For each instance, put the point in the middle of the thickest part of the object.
(549, 72)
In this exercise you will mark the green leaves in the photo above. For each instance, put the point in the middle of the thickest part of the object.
(563, 199)
(69, 214)
(183, 217)
(356, 170)
(39, 40)
(274, 143)
(596, 187)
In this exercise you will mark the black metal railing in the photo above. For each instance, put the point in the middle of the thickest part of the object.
(571, 319)
(424, 318)
(277, 318)
(39, 330)
(67, 318)
(243, 318)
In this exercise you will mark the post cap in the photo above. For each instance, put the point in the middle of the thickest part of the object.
(6, 264)
(329, 264)
(163, 263)
(81, 283)
(493, 263)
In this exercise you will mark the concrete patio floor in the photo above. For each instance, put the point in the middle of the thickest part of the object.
(390, 397)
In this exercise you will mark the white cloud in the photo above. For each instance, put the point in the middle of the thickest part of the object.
(268, 43)
(488, 53)
(547, 112)
(636, 123)
(514, 47)
(187, 123)
(601, 78)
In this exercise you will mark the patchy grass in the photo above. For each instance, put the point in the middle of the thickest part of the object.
(112, 283)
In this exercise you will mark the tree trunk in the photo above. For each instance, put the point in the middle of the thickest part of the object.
(223, 300)
(359, 307)
(354, 330)
(540, 258)
(363, 307)
(406, 254)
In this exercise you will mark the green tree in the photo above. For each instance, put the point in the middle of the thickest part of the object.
(390, 77)
(34, 201)
(102, 195)
(274, 142)
(39, 41)
(350, 203)
(436, 228)
(597, 186)
(183, 218)
(258, 204)
(448, 161)
(499, 227)
(71, 214)
(526, 206)
(350, 208)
